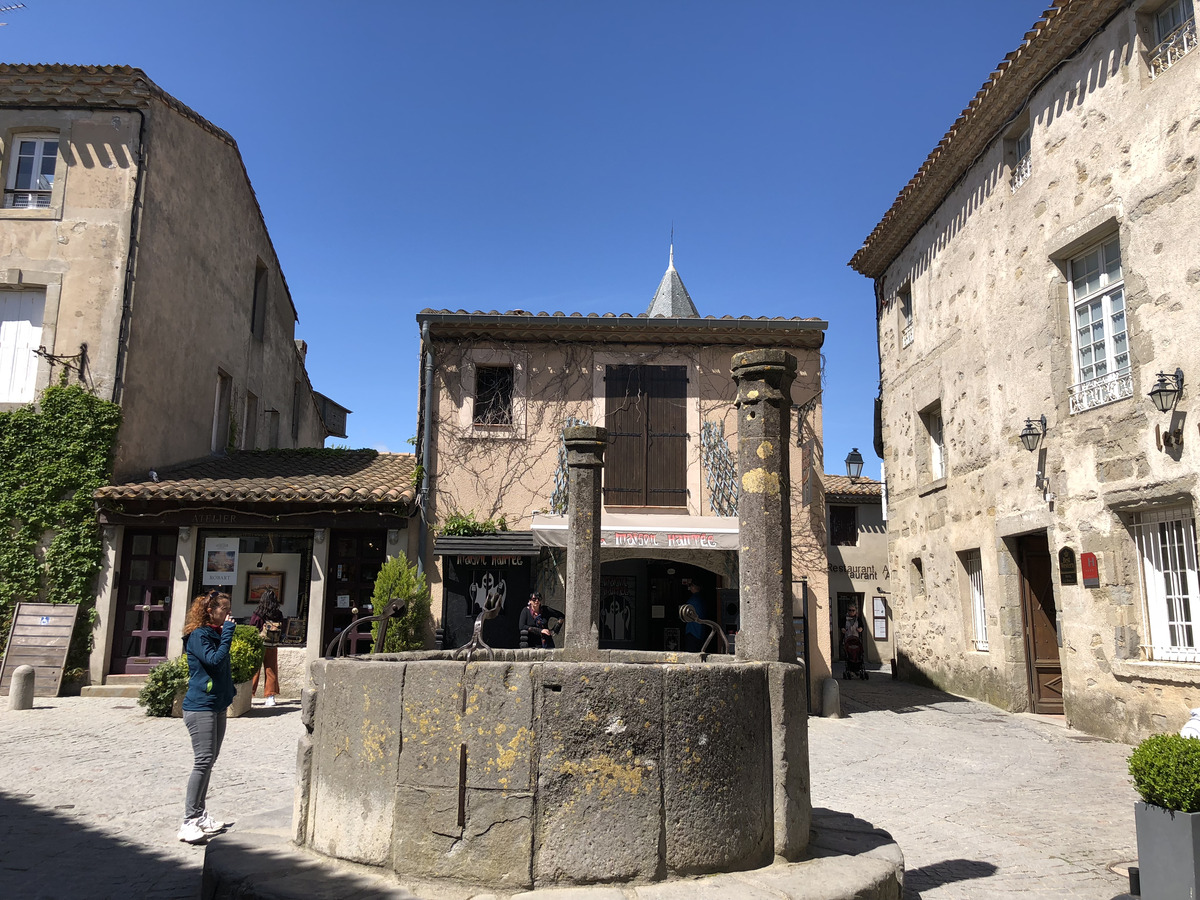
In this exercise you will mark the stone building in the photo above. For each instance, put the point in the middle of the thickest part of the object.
(497, 390)
(134, 256)
(1041, 264)
(858, 561)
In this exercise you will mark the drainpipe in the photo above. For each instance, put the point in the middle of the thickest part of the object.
(426, 413)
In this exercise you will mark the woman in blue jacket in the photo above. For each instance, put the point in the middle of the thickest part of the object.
(207, 635)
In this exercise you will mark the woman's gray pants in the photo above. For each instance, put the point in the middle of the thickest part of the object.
(207, 728)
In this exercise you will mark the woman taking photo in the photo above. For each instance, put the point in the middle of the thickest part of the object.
(207, 635)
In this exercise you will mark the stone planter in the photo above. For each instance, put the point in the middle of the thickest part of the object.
(241, 702)
(1168, 852)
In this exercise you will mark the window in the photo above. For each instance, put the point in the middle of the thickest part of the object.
(31, 172)
(904, 299)
(646, 417)
(250, 426)
(21, 314)
(932, 417)
(258, 306)
(1174, 35)
(1022, 165)
(493, 396)
(973, 566)
(1166, 541)
(1102, 372)
(916, 577)
(221, 410)
(296, 411)
(843, 526)
(272, 429)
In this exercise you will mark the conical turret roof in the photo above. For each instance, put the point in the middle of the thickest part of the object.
(672, 300)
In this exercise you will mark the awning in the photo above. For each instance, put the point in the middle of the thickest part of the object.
(647, 531)
(503, 543)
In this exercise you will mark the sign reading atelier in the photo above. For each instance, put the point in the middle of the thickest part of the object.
(1091, 570)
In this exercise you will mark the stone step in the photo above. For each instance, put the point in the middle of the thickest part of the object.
(124, 679)
(111, 690)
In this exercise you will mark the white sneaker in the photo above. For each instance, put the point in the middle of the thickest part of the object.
(211, 826)
(270, 701)
(190, 832)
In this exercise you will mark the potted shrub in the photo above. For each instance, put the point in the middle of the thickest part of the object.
(162, 694)
(245, 658)
(398, 578)
(1166, 774)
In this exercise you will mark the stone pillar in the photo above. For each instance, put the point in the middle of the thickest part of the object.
(764, 379)
(20, 689)
(585, 460)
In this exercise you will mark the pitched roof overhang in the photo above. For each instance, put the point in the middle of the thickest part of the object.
(1063, 29)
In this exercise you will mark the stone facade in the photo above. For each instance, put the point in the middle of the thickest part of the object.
(1059, 212)
(559, 366)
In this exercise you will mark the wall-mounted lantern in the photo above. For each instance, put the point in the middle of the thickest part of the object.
(1031, 434)
(1166, 390)
(854, 463)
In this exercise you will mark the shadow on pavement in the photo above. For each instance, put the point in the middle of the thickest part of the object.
(947, 871)
(884, 693)
(45, 854)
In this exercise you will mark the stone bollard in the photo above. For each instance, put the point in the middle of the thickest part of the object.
(585, 459)
(831, 699)
(20, 690)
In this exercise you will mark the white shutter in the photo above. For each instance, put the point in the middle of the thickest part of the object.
(21, 314)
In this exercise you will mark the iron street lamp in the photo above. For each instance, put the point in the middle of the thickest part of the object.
(1166, 390)
(1031, 434)
(854, 463)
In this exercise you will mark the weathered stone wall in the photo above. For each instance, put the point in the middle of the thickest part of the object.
(521, 772)
(1113, 154)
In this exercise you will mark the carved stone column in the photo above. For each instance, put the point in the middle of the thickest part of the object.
(764, 380)
(585, 460)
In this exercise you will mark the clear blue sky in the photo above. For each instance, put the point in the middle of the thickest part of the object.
(534, 155)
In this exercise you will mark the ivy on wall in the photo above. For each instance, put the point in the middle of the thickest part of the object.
(53, 457)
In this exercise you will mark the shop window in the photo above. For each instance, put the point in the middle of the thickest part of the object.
(646, 418)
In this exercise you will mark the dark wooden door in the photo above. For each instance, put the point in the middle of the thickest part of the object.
(1041, 625)
(144, 589)
(355, 558)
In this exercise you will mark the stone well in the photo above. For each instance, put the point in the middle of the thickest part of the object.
(535, 769)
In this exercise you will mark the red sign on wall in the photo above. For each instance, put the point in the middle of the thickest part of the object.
(1091, 569)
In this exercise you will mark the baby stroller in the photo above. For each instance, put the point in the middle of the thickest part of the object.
(852, 646)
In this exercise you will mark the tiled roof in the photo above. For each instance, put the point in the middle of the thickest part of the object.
(558, 314)
(672, 299)
(844, 486)
(327, 477)
(1063, 28)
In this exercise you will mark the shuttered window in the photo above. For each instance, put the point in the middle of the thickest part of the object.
(21, 314)
(1167, 541)
(646, 417)
(974, 566)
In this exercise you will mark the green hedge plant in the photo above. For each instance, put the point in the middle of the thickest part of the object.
(245, 653)
(398, 578)
(164, 683)
(1166, 771)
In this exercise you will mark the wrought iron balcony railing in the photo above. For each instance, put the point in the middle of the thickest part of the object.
(1100, 391)
(1173, 48)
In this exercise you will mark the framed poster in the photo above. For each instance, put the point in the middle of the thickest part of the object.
(220, 561)
(671, 640)
(294, 630)
(616, 609)
(880, 629)
(262, 586)
(880, 609)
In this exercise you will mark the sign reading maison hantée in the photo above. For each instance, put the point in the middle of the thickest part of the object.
(693, 540)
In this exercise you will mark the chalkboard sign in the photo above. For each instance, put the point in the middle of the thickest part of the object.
(40, 637)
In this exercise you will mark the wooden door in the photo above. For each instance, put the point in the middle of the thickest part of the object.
(1041, 625)
(144, 590)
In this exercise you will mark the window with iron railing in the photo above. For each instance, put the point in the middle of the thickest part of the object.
(1102, 367)
(1023, 167)
(904, 299)
(1174, 34)
(31, 173)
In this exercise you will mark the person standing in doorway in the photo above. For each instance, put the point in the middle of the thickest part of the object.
(268, 618)
(207, 634)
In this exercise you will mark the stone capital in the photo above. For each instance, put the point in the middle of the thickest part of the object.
(585, 445)
(763, 375)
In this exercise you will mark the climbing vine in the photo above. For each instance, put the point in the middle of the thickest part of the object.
(53, 457)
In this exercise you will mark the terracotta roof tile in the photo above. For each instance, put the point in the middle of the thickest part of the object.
(330, 477)
(844, 486)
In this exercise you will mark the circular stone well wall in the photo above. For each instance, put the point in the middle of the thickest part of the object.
(542, 768)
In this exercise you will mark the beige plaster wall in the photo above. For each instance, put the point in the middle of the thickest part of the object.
(1112, 153)
(870, 552)
(512, 474)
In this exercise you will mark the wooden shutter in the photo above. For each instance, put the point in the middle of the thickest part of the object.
(666, 449)
(625, 419)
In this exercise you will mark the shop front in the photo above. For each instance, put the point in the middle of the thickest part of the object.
(310, 529)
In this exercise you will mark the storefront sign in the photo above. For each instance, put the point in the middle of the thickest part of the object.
(490, 560)
(696, 540)
(1091, 570)
(220, 561)
(853, 571)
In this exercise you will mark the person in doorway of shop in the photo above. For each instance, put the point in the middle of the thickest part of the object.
(207, 634)
(693, 632)
(535, 623)
(268, 618)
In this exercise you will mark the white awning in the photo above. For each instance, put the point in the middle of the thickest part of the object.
(647, 531)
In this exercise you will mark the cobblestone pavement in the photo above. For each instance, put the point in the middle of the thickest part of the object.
(983, 804)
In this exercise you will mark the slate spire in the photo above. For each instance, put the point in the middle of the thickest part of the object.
(671, 299)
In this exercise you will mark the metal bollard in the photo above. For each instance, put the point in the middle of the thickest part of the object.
(20, 690)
